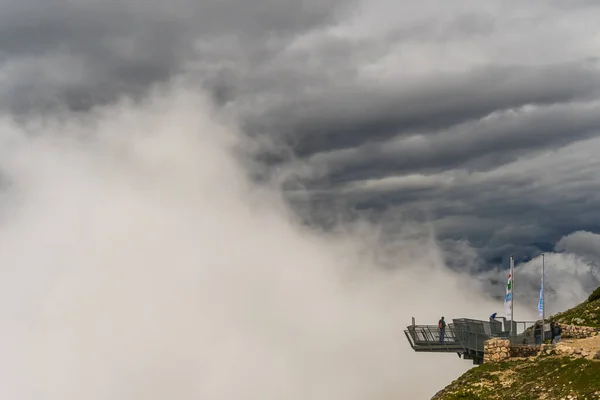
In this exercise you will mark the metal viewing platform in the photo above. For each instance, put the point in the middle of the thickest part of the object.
(466, 337)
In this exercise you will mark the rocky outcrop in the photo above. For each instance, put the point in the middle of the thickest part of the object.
(562, 349)
(523, 351)
(578, 332)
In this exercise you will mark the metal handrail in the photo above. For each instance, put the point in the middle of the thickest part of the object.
(463, 337)
(427, 338)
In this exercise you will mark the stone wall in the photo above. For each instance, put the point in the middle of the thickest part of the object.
(495, 350)
(578, 332)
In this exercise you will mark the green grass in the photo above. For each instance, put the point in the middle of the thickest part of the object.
(555, 377)
(585, 314)
(595, 295)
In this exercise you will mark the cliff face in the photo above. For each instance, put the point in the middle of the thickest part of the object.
(569, 370)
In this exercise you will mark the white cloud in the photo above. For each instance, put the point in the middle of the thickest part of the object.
(569, 280)
(582, 243)
(139, 260)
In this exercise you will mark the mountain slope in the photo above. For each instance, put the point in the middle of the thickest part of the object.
(528, 379)
(569, 370)
(584, 314)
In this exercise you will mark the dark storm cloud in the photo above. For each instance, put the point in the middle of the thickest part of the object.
(479, 118)
(521, 208)
(349, 117)
(475, 145)
(498, 155)
(92, 51)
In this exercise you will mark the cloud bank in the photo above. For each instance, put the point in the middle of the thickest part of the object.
(346, 153)
(428, 108)
(140, 260)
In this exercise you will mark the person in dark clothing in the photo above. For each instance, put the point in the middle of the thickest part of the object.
(442, 327)
(556, 333)
(493, 317)
(537, 332)
(552, 334)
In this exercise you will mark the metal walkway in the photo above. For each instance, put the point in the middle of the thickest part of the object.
(464, 336)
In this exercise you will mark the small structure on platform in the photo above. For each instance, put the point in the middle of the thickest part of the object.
(466, 337)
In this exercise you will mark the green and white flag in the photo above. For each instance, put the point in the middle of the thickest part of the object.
(509, 293)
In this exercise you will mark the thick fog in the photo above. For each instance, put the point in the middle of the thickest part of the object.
(139, 261)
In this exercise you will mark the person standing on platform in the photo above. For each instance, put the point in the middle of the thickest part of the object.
(442, 327)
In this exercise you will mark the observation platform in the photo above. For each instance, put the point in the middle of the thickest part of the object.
(466, 337)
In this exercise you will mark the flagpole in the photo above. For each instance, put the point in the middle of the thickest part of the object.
(508, 297)
(543, 298)
(512, 294)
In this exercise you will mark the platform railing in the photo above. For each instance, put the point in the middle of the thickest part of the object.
(431, 334)
(525, 333)
(470, 334)
(429, 338)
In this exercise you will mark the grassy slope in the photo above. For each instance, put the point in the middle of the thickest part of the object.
(547, 377)
(585, 314)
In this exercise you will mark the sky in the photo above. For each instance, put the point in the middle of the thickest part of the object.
(173, 174)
